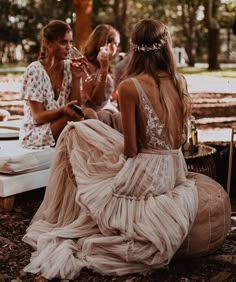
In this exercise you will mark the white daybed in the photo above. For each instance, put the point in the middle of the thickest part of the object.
(21, 169)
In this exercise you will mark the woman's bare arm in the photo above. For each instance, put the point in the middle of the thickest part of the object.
(42, 116)
(96, 92)
(97, 95)
(77, 73)
(128, 101)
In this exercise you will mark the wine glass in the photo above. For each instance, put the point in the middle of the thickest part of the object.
(104, 50)
(76, 56)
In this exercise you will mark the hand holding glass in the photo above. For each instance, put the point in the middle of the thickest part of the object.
(104, 50)
(76, 56)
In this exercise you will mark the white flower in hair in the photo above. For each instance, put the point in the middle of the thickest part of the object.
(153, 47)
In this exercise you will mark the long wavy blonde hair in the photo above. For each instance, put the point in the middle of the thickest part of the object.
(101, 35)
(146, 34)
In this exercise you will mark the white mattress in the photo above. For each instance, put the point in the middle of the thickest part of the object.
(21, 169)
(17, 160)
(14, 184)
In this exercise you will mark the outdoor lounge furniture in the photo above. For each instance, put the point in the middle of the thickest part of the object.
(21, 169)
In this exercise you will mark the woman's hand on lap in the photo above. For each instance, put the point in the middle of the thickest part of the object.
(67, 110)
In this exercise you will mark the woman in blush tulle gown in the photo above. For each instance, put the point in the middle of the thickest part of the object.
(120, 204)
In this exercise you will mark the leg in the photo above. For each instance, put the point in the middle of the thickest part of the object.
(7, 203)
(90, 113)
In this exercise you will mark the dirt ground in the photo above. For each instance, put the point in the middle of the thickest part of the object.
(14, 254)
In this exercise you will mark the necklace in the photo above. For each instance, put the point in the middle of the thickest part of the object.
(55, 73)
(56, 86)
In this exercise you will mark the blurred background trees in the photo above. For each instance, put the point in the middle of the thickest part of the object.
(200, 28)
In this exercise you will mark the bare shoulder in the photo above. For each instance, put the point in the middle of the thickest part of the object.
(127, 88)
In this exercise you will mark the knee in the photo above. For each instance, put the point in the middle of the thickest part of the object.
(90, 113)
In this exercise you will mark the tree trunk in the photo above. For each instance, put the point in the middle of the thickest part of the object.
(120, 8)
(211, 11)
(228, 44)
(190, 52)
(189, 15)
(82, 28)
(213, 49)
(234, 26)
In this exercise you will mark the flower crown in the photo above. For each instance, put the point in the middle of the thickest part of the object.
(154, 47)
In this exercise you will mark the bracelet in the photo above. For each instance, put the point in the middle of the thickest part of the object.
(102, 77)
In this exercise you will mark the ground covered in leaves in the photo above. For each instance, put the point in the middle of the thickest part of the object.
(14, 254)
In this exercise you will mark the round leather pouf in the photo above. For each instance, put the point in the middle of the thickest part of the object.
(213, 219)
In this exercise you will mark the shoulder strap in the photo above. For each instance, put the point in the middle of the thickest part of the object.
(138, 87)
(142, 95)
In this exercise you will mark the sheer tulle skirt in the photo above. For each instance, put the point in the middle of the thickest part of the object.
(106, 213)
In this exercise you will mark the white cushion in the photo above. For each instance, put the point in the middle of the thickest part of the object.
(17, 160)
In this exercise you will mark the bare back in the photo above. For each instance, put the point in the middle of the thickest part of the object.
(150, 124)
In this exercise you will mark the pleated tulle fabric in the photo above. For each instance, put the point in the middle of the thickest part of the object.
(106, 213)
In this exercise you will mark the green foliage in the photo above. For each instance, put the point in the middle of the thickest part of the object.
(227, 14)
(21, 21)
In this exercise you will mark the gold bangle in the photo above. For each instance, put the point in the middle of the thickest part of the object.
(102, 77)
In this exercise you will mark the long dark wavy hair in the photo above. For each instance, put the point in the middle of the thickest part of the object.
(148, 33)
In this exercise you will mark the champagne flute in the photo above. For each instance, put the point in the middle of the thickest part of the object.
(75, 56)
(104, 50)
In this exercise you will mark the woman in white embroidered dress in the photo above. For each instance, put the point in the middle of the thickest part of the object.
(50, 87)
(124, 204)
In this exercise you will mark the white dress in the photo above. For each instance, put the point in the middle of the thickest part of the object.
(109, 214)
(37, 87)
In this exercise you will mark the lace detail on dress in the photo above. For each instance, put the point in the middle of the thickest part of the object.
(155, 130)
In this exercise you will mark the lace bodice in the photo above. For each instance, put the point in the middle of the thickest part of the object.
(155, 130)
